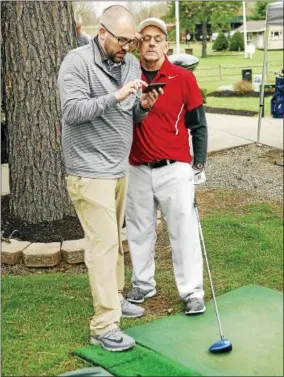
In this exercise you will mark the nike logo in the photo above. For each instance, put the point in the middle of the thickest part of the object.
(172, 77)
(117, 340)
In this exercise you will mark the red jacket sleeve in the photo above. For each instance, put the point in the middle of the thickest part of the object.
(192, 93)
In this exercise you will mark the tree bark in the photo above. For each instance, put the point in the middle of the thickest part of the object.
(36, 37)
(204, 39)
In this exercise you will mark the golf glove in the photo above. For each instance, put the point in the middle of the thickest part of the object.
(199, 176)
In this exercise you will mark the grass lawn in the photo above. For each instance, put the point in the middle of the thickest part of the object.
(207, 74)
(45, 315)
(240, 103)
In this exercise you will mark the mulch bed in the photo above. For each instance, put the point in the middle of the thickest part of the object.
(69, 228)
(222, 110)
(230, 93)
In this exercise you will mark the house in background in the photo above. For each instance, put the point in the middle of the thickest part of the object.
(256, 35)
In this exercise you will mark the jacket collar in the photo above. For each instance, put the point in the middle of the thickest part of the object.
(99, 61)
(166, 68)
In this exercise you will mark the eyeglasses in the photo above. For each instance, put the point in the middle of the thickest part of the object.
(157, 38)
(120, 40)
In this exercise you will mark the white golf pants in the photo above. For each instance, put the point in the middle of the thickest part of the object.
(172, 188)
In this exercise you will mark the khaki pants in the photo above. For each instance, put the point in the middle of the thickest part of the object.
(100, 206)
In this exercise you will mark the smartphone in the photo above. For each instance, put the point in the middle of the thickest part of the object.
(153, 86)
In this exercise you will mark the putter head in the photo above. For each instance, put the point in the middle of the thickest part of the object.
(223, 345)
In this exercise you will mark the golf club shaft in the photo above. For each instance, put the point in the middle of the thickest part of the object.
(208, 268)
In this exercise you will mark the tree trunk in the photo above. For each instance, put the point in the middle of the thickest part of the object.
(36, 37)
(204, 39)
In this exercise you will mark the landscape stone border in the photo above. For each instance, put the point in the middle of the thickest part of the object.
(51, 254)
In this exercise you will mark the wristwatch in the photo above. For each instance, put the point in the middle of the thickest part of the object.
(198, 166)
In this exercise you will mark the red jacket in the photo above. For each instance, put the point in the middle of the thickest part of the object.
(162, 134)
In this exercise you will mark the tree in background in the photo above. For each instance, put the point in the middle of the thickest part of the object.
(36, 36)
(204, 12)
(221, 43)
(259, 11)
(237, 42)
(84, 13)
(140, 10)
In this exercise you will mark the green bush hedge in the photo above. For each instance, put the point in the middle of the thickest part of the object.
(221, 43)
(237, 42)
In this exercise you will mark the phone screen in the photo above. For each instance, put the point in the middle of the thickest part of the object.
(156, 86)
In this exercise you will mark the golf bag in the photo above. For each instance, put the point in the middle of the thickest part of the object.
(188, 62)
(277, 101)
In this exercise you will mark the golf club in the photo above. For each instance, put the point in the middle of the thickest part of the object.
(223, 345)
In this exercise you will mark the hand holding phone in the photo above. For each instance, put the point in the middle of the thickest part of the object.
(154, 86)
(150, 95)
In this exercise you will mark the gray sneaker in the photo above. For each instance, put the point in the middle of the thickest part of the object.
(129, 310)
(113, 340)
(138, 296)
(194, 305)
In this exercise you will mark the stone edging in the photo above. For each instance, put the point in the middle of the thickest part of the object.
(50, 254)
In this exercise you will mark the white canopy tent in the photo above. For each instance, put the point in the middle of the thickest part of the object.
(274, 16)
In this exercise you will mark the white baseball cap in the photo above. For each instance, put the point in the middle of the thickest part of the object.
(153, 21)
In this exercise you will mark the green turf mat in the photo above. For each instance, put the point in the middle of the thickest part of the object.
(252, 318)
(138, 361)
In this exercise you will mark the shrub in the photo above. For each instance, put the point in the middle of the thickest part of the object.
(243, 87)
(221, 43)
(237, 42)
(269, 91)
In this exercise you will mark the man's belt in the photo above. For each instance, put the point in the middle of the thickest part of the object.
(158, 163)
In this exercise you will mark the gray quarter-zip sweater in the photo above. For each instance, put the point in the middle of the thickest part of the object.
(96, 129)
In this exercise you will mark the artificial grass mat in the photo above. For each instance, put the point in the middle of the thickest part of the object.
(139, 361)
(252, 318)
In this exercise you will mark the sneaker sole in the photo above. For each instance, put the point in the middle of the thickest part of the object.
(132, 316)
(195, 311)
(100, 343)
(148, 295)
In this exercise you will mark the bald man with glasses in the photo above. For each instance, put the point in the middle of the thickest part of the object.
(120, 40)
(100, 92)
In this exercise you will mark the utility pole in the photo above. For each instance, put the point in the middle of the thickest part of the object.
(245, 29)
(177, 26)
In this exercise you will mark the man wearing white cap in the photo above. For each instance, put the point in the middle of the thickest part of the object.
(162, 172)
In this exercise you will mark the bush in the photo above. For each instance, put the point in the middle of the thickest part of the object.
(237, 42)
(221, 43)
(243, 87)
(269, 91)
